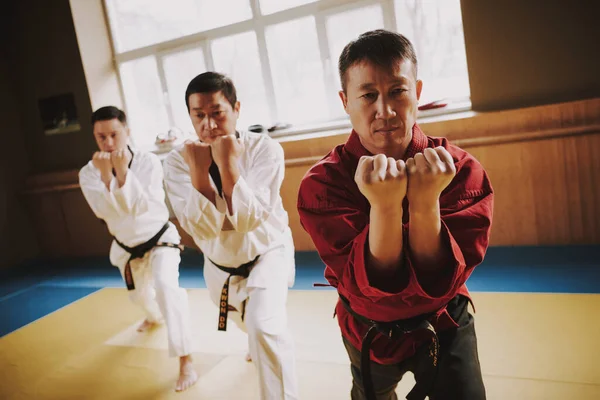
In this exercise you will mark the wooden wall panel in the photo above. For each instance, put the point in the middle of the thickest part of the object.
(289, 194)
(547, 191)
(46, 215)
(88, 235)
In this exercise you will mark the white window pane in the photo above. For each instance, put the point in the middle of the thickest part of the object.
(272, 6)
(345, 27)
(146, 111)
(139, 23)
(435, 29)
(297, 71)
(237, 57)
(180, 68)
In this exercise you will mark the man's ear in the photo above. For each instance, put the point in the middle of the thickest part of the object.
(344, 99)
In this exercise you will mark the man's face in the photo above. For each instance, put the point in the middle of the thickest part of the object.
(111, 135)
(212, 115)
(382, 105)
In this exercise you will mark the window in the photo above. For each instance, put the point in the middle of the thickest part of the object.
(435, 29)
(237, 56)
(297, 72)
(281, 54)
(180, 67)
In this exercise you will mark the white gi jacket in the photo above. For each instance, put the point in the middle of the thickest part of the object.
(259, 223)
(135, 212)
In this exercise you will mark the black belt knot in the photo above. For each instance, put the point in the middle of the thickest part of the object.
(394, 330)
(243, 271)
(140, 251)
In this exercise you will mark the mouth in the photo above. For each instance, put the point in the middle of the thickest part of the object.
(387, 130)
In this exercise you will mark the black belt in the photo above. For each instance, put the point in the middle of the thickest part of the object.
(243, 271)
(140, 250)
(394, 330)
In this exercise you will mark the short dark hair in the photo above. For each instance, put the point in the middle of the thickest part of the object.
(107, 113)
(211, 82)
(380, 47)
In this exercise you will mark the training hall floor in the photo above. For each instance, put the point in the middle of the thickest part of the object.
(67, 331)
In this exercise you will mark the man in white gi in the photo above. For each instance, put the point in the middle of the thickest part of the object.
(125, 189)
(225, 192)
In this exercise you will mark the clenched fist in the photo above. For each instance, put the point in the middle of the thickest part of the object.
(428, 175)
(197, 156)
(226, 150)
(102, 162)
(382, 180)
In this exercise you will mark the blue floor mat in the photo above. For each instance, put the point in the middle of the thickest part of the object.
(29, 305)
(38, 288)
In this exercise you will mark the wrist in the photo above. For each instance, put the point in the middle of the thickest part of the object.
(387, 208)
(201, 183)
(424, 208)
(106, 176)
(121, 173)
(121, 177)
(229, 177)
(230, 164)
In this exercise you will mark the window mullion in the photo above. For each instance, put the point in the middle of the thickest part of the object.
(208, 58)
(263, 54)
(389, 15)
(164, 89)
(326, 60)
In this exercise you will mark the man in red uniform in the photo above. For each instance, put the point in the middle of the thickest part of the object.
(400, 219)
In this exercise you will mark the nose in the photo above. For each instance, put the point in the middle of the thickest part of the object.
(208, 124)
(212, 124)
(385, 109)
(110, 144)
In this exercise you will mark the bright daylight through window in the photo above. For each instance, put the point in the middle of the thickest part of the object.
(281, 54)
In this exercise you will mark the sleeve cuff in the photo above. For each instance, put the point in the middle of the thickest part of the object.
(359, 260)
(419, 284)
(126, 194)
(240, 198)
(199, 209)
(242, 218)
(435, 286)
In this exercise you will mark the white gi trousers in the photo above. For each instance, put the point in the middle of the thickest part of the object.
(157, 291)
(265, 321)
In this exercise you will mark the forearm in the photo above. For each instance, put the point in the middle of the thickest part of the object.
(121, 178)
(384, 256)
(206, 190)
(106, 179)
(229, 177)
(201, 183)
(424, 236)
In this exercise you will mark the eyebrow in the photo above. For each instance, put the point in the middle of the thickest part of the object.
(214, 107)
(370, 85)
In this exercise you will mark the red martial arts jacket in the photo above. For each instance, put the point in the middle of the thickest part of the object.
(336, 216)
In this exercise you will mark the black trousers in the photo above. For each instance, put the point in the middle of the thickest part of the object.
(458, 375)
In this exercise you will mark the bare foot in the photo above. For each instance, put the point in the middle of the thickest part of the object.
(248, 357)
(146, 326)
(187, 374)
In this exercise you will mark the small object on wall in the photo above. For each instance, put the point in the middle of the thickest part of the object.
(59, 114)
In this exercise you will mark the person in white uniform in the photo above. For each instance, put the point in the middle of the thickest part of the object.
(225, 191)
(125, 189)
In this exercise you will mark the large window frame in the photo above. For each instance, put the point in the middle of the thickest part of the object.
(259, 23)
